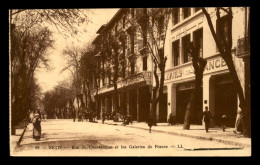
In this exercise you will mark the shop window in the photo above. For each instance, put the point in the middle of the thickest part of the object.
(176, 16)
(198, 41)
(222, 26)
(186, 12)
(176, 53)
(196, 9)
(145, 63)
(185, 48)
(132, 65)
(161, 52)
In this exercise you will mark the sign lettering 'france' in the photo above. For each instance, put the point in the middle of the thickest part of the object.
(213, 65)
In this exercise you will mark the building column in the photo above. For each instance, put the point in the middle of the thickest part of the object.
(101, 104)
(137, 104)
(171, 99)
(106, 104)
(181, 51)
(181, 14)
(209, 95)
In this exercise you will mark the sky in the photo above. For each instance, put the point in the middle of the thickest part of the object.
(49, 79)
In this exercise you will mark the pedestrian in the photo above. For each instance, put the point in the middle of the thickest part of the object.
(223, 122)
(207, 118)
(103, 117)
(37, 126)
(150, 122)
(238, 124)
(73, 115)
(171, 119)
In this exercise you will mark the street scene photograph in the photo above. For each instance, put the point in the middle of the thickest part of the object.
(136, 82)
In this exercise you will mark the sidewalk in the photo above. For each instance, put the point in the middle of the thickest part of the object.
(196, 131)
(16, 139)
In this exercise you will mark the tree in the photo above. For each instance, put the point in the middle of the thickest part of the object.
(30, 51)
(223, 41)
(26, 54)
(89, 73)
(66, 21)
(153, 23)
(113, 47)
(73, 55)
(57, 99)
(199, 65)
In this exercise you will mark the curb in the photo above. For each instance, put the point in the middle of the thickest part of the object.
(200, 137)
(21, 137)
(242, 145)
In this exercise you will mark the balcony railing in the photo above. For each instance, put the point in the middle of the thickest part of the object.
(143, 78)
(243, 47)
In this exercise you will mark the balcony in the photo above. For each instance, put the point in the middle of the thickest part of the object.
(243, 47)
(121, 34)
(130, 29)
(136, 80)
(142, 48)
(139, 79)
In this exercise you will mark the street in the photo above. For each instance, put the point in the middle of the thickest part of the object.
(63, 137)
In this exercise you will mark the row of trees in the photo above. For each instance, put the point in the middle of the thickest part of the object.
(30, 42)
(58, 101)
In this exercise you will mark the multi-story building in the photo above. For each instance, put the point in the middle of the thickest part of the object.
(218, 93)
(135, 79)
(186, 25)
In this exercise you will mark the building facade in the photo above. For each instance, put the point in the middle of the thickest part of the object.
(135, 78)
(217, 91)
(186, 25)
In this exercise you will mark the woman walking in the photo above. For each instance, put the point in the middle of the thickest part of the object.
(37, 125)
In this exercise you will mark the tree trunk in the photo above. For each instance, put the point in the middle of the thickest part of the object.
(192, 105)
(225, 53)
(199, 66)
(115, 101)
(243, 105)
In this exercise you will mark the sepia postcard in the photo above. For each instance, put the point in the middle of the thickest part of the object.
(130, 82)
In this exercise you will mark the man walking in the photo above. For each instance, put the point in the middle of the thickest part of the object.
(74, 115)
(223, 122)
(150, 122)
(207, 118)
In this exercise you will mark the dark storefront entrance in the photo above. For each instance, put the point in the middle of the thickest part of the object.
(163, 107)
(182, 99)
(123, 103)
(133, 103)
(225, 100)
(144, 103)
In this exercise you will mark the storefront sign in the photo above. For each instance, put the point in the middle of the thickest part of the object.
(180, 73)
(213, 65)
(186, 86)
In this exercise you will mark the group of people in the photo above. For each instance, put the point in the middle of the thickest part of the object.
(34, 117)
(91, 115)
(207, 118)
